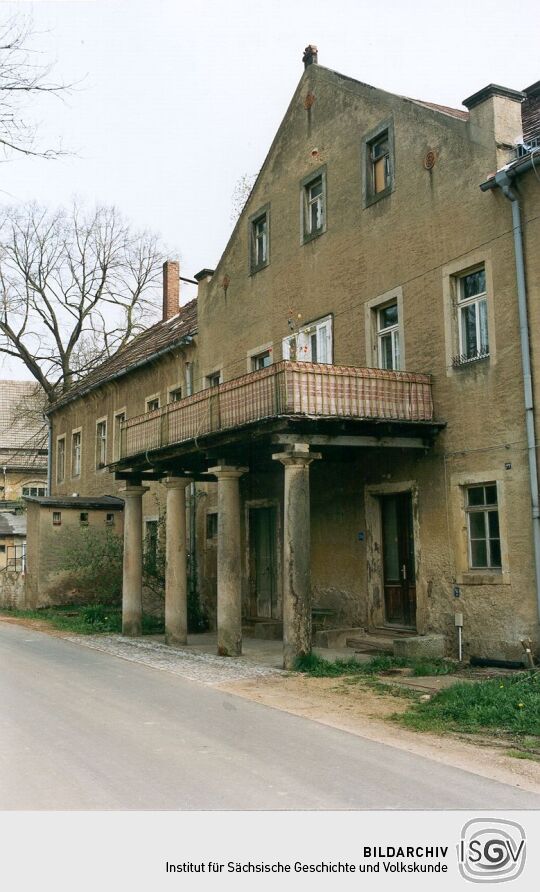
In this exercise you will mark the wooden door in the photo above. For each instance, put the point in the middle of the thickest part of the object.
(262, 527)
(398, 560)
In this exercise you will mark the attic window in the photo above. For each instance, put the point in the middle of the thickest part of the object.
(378, 163)
(313, 205)
(259, 230)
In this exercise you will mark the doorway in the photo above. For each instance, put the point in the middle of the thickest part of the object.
(399, 578)
(263, 561)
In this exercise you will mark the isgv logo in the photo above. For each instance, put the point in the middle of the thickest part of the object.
(491, 850)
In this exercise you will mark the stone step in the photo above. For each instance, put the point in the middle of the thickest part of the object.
(374, 644)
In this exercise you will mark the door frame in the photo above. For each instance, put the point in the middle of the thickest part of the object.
(249, 505)
(374, 561)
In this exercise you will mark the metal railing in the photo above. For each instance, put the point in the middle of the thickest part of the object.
(283, 389)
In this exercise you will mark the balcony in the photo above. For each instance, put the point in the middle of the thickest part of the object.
(285, 390)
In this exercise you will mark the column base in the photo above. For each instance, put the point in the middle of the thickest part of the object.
(229, 649)
(291, 654)
(132, 628)
(175, 640)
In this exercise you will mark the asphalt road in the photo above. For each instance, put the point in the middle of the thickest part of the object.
(80, 729)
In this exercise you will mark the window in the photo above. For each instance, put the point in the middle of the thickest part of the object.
(213, 380)
(388, 337)
(109, 520)
(261, 361)
(175, 394)
(472, 317)
(56, 518)
(35, 490)
(83, 518)
(152, 403)
(119, 418)
(378, 154)
(313, 343)
(483, 527)
(76, 454)
(101, 443)
(313, 206)
(211, 525)
(259, 240)
(60, 459)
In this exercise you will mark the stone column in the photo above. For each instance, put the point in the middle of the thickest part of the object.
(175, 562)
(133, 554)
(296, 553)
(229, 561)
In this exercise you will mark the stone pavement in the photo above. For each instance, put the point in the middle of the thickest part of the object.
(194, 663)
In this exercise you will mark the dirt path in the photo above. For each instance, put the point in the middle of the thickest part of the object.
(358, 709)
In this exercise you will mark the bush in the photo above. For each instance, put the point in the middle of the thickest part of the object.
(94, 558)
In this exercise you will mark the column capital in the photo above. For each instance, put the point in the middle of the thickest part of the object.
(132, 491)
(225, 471)
(177, 482)
(298, 454)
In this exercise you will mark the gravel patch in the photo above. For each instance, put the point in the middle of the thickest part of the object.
(206, 668)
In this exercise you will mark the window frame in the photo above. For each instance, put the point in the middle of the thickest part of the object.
(76, 432)
(459, 483)
(462, 303)
(175, 388)
(391, 331)
(372, 308)
(36, 486)
(262, 214)
(258, 351)
(383, 130)
(209, 381)
(154, 397)
(61, 439)
(484, 509)
(306, 232)
(310, 330)
(117, 438)
(101, 443)
(57, 518)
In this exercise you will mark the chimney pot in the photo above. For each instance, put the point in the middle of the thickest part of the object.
(310, 56)
(171, 289)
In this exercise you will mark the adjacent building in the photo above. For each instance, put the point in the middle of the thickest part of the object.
(23, 441)
(351, 399)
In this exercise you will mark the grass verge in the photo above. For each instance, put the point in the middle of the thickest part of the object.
(321, 668)
(90, 620)
(509, 705)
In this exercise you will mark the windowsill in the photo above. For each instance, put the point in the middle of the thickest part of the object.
(375, 197)
(458, 363)
(310, 236)
(256, 269)
(483, 577)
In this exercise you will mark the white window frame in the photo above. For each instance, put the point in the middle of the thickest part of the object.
(372, 307)
(34, 485)
(154, 397)
(76, 453)
(451, 273)
(460, 482)
(101, 443)
(207, 379)
(392, 332)
(476, 300)
(319, 334)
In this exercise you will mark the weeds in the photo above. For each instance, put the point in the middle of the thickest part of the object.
(90, 620)
(321, 668)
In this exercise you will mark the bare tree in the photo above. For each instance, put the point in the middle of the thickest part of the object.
(75, 286)
(241, 193)
(22, 78)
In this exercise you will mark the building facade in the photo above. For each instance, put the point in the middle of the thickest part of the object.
(358, 420)
(23, 441)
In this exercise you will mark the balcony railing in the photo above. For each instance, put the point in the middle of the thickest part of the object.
(298, 389)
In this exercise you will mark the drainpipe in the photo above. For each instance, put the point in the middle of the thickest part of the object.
(504, 181)
(49, 454)
(192, 508)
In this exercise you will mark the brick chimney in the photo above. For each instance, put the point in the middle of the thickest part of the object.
(171, 289)
(310, 56)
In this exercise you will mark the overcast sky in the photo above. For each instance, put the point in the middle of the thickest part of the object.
(177, 99)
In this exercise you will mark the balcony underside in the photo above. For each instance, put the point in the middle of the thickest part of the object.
(252, 444)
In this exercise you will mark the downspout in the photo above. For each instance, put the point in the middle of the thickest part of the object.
(504, 181)
(192, 509)
(49, 455)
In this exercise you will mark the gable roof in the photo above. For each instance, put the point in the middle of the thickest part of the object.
(23, 439)
(154, 342)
